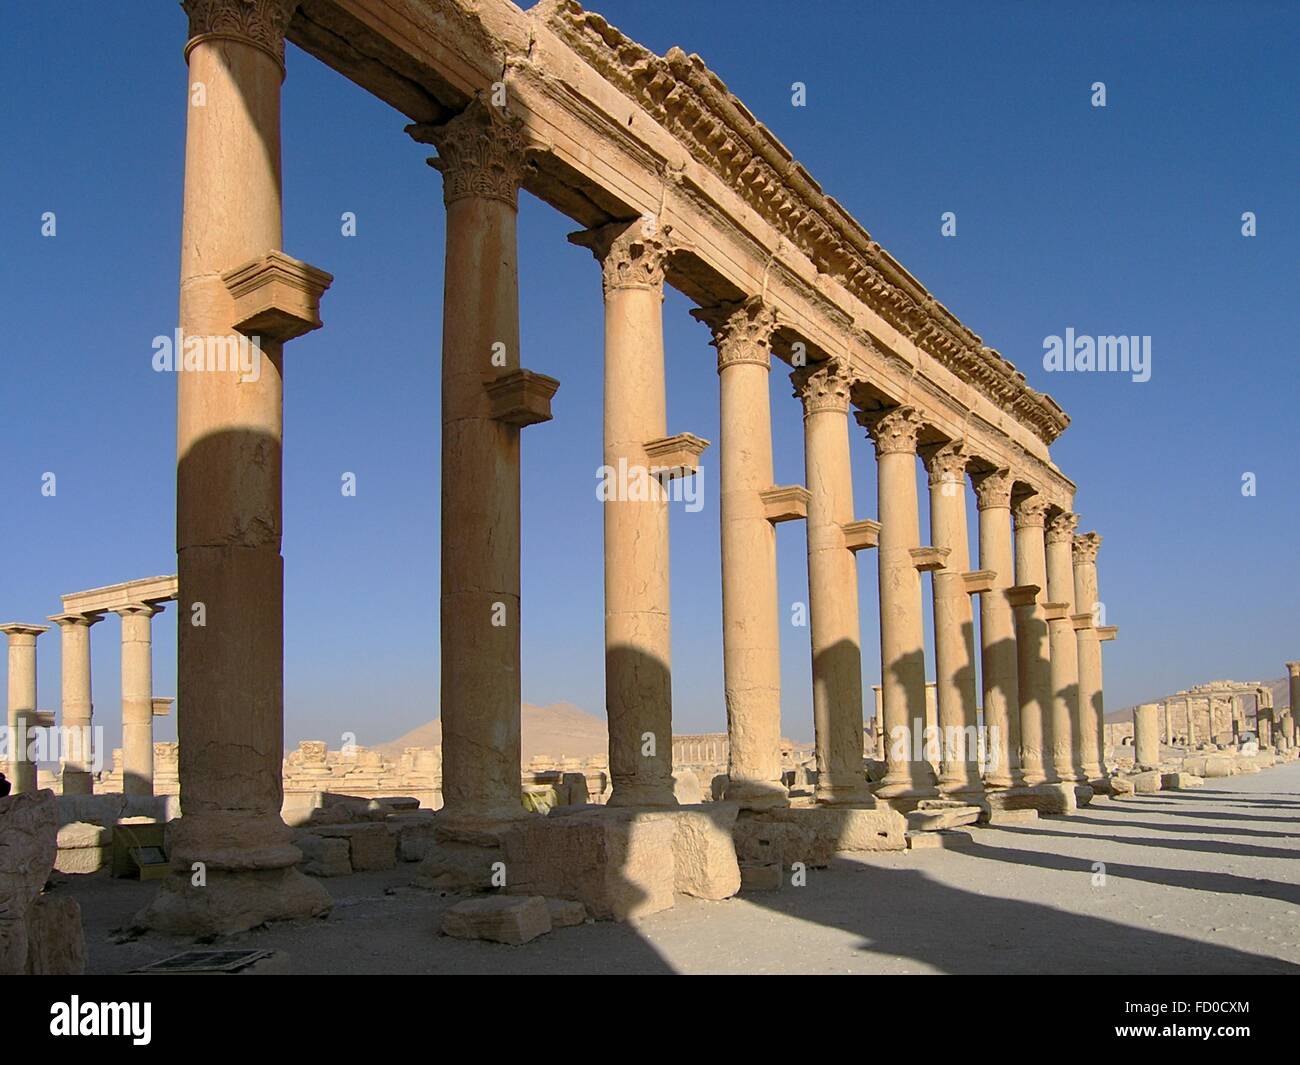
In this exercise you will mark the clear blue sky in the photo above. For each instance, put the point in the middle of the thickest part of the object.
(1123, 220)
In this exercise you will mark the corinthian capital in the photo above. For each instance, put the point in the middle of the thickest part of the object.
(893, 431)
(993, 489)
(824, 386)
(1060, 529)
(482, 152)
(946, 463)
(631, 254)
(1030, 512)
(1086, 546)
(742, 331)
(261, 23)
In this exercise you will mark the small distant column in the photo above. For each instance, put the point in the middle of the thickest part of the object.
(137, 697)
(1293, 672)
(78, 709)
(998, 656)
(902, 638)
(1146, 736)
(1066, 729)
(22, 701)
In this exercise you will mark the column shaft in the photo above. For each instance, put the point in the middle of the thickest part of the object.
(998, 654)
(1066, 730)
(1092, 713)
(954, 626)
(833, 585)
(751, 642)
(1033, 645)
(137, 699)
(22, 703)
(908, 775)
(77, 708)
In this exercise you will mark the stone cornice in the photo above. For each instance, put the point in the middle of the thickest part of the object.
(742, 331)
(694, 105)
(261, 23)
(824, 386)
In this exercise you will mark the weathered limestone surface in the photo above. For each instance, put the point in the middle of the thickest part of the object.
(1147, 739)
(83, 847)
(370, 846)
(38, 934)
(499, 918)
(323, 856)
(815, 836)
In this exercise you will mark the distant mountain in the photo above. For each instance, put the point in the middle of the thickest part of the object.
(1281, 689)
(561, 730)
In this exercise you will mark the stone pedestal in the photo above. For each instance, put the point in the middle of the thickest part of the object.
(751, 643)
(638, 637)
(833, 584)
(77, 707)
(954, 626)
(22, 702)
(232, 859)
(908, 776)
(998, 655)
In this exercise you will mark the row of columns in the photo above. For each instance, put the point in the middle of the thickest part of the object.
(77, 713)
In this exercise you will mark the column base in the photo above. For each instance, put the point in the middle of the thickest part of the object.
(757, 794)
(841, 795)
(656, 796)
(969, 791)
(230, 902)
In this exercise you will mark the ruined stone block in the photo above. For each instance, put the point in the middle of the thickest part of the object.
(760, 876)
(371, 846)
(704, 854)
(508, 919)
(83, 847)
(323, 856)
(1147, 783)
(566, 913)
(56, 942)
(1179, 781)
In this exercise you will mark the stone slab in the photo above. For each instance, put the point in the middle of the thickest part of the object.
(760, 876)
(511, 919)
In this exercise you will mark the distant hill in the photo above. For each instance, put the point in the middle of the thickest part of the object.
(561, 730)
(1281, 689)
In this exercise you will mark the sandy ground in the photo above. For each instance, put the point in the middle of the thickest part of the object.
(1194, 882)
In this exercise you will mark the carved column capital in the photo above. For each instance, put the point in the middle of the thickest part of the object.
(1060, 528)
(993, 489)
(1293, 669)
(631, 254)
(1086, 546)
(742, 331)
(824, 386)
(261, 23)
(946, 463)
(1030, 512)
(893, 431)
(482, 152)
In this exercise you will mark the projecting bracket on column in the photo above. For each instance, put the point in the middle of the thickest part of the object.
(1081, 621)
(675, 456)
(521, 397)
(929, 559)
(787, 502)
(979, 581)
(861, 534)
(1056, 611)
(276, 296)
(162, 705)
(1107, 632)
(1023, 594)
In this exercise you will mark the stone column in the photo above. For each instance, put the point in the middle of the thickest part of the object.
(1066, 730)
(487, 399)
(22, 702)
(954, 625)
(1290, 717)
(1165, 712)
(998, 664)
(237, 286)
(908, 776)
(1033, 644)
(833, 584)
(77, 711)
(638, 669)
(751, 640)
(1092, 714)
(137, 697)
(1191, 724)
(1146, 737)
